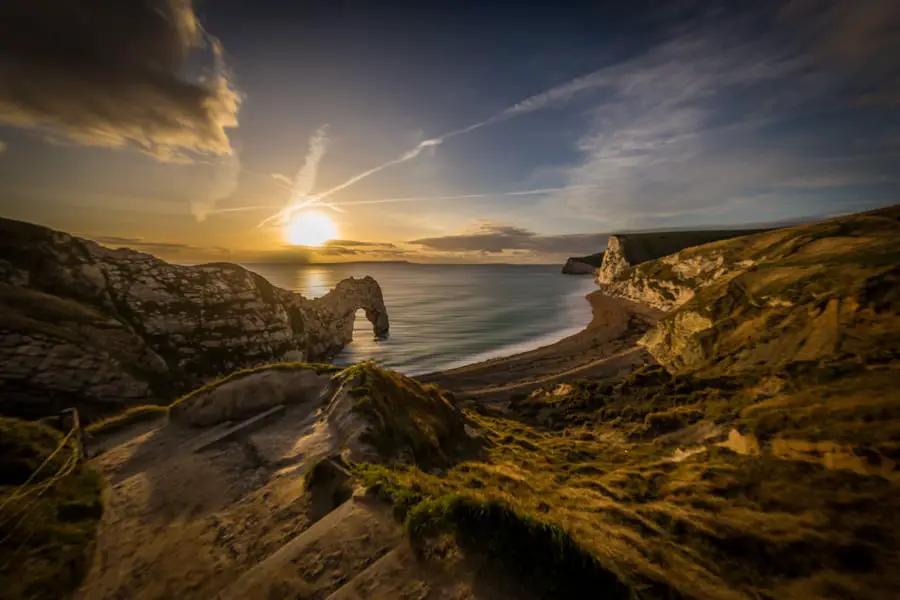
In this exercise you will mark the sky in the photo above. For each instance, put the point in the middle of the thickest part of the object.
(441, 132)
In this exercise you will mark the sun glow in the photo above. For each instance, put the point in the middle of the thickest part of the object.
(310, 228)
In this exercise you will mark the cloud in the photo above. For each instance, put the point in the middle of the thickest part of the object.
(226, 173)
(709, 116)
(338, 251)
(356, 244)
(113, 73)
(492, 238)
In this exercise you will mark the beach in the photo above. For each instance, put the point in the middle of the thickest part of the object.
(606, 347)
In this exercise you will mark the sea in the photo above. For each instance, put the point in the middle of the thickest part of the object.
(446, 316)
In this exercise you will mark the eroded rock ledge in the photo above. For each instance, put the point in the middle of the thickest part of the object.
(98, 328)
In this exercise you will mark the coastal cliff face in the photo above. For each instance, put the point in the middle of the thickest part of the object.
(764, 301)
(626, 251)
(667, 282)
(98, 328)
(583, 265)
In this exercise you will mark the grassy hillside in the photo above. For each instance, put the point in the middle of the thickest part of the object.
(762, 464)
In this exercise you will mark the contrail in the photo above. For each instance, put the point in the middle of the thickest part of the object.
(531, 104)
(306, 176)
(340, 205)
(305, 179)
(534, 192)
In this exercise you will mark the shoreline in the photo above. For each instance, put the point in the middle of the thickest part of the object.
(605, 347)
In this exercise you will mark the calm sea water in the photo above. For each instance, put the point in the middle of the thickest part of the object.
(444, 316)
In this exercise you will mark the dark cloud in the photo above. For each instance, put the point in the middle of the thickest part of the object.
(110, 72)
(494, 239)
(354, 244)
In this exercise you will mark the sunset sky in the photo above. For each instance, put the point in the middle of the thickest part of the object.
(441, 132)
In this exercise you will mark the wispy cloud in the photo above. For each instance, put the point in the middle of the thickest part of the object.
(226, 172)
(706, 117)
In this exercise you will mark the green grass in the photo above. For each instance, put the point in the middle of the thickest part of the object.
(47, 528)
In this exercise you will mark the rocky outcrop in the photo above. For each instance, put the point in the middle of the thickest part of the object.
(628, 250)
(583, 265)
(364, 413)
(671, 281)
(100, 328)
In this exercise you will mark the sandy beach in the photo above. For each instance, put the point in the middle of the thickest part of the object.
(605, 348)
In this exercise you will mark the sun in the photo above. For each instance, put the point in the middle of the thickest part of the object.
(310, 228)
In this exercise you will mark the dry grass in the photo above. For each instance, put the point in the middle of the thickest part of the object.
(406, 416)
(712, 525)
(48, 526)
(801, 363)
(127, 418)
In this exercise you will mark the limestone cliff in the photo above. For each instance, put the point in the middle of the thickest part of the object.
(100, 328)
(819, 292)
(583, 265)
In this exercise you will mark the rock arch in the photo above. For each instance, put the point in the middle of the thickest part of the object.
(329, 319)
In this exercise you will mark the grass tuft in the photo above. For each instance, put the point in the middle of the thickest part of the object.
(127, 418)
(48, 527)
(406, 415)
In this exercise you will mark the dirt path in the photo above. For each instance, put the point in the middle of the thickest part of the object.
(605, 348)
